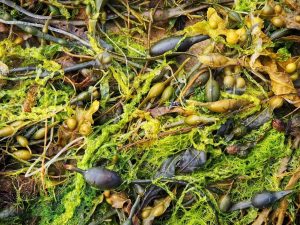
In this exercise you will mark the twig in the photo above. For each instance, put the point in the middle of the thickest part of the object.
(24, 11)
(28, 174)
(21, 24)
(59, 22)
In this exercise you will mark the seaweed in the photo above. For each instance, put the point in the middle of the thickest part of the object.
(183, 167)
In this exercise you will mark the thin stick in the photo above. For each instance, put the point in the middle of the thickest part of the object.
(24, 11)
(28, 174)
(22, 23)
(59, 22)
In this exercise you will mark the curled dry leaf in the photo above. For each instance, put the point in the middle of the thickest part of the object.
(281, 83)
(293, 5)
(290, 21)
(65, 135)
(118, 200)
(160, 111)
(30, 98)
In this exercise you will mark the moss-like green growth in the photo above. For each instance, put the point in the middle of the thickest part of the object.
(74, 202)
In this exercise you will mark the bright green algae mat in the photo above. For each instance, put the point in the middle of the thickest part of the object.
(74, 202)
(258, 170)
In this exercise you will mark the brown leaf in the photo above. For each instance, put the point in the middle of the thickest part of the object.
(30, 98)
(80, 32)
(293, 5)
(118, 200)
(81, 15)
(160, 111)
(65, 61)
(290, 21)
(281, 83)
(65, 135)
(159, 208)
(3, 28)
(262, 217)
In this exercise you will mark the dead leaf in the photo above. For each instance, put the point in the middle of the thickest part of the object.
(30, 98)
(118, 200)
(3, 28)
(263, 217)
(160, 111)
(65, 135)
(65, 61)
(293, 5)
(281, 83)
(290, 21)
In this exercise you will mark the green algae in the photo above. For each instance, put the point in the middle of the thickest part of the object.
(74, 202)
